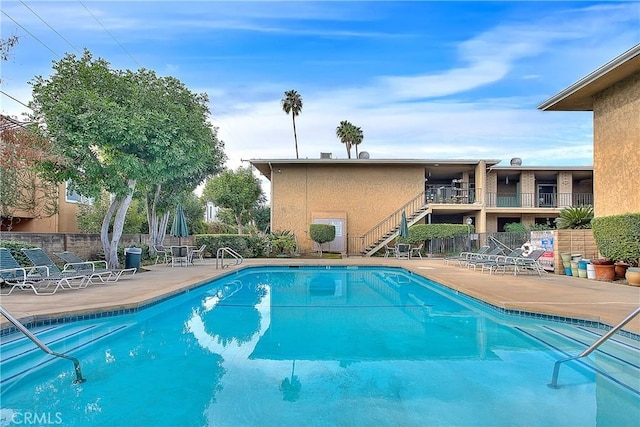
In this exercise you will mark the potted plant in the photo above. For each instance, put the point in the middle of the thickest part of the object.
(618, 238)
(604, 269)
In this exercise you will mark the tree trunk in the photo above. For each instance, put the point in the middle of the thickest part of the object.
(295, 137)
(120, 206)
(104, 231)
(157, 226)
(239, 223)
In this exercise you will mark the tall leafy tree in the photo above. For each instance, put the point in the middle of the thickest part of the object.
(292, 103)
(114, 129)
(238, 190)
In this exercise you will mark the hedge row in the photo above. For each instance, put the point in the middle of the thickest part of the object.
(618, 237)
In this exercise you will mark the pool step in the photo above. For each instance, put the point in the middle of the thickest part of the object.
(617, 359)
(20, 356)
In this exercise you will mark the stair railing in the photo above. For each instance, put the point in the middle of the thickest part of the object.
(76, 364)
(602, 339)
(392, 222)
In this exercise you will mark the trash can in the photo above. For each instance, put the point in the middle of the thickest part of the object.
(132, 257)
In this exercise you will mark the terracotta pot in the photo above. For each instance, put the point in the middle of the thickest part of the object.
(633, 276)
(601, 261)
(605, 272)
(620, 269)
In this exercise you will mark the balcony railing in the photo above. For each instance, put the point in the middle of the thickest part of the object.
(450, 194)
(543, 200)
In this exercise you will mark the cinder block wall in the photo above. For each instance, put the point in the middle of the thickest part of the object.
(575, 242)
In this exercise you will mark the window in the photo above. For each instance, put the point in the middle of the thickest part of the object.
(71, 196)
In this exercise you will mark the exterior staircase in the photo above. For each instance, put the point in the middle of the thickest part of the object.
(387, 229)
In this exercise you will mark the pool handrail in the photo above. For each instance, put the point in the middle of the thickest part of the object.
(220, 256)
(76, 364)
(602, 339)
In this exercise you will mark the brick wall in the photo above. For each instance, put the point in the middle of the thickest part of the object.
(86, 246)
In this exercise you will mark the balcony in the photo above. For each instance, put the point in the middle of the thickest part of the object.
(450, 194)
(541, 200)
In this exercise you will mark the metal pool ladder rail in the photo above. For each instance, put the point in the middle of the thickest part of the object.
(76, 364)
(556, 367)
(227, 250)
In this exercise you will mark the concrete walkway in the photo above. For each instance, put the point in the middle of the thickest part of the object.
(550, 294)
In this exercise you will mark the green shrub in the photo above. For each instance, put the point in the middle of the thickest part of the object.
(322, 233)
(420, 232)
(282, 243)
(618, 237)
(237, 242)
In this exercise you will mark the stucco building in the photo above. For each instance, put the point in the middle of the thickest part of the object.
(364, 198)
(612, 92)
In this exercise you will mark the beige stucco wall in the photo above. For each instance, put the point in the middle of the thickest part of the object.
(616, 148)
(367, 194)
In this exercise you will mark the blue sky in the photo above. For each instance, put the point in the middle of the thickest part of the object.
(423, 79)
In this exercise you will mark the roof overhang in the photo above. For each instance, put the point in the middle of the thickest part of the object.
(579, 96)
(264, 166)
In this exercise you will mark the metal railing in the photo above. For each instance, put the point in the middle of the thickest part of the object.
(450, 194)
(388, 225)
(227, 250)
(43, 346)
(540, 200)
(592, 347)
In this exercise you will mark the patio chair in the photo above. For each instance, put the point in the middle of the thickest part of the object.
(403, 250)
(13, 275)
(389, 251)
(48, 270)
(161, 251)
(96, 269)
(180, 255)
(198, 253)
(416, 251)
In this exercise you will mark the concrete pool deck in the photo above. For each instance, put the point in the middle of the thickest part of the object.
(549, 294)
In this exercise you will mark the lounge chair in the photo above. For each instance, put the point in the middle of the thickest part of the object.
(502, 261)
(13, 275)
(95, 269)
(530, 263)
(416, 251)
(464, 256)
(47, 269)
(478, 259)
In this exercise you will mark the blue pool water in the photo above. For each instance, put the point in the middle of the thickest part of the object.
(337, 346)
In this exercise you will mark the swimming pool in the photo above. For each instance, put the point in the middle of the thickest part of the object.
(320, 346)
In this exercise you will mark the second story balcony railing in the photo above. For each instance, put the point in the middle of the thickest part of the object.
(541, 200)
(450, 194)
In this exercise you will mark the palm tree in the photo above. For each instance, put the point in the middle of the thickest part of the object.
(292, 103)
(358, 136)
(345, 133)
(575, 217)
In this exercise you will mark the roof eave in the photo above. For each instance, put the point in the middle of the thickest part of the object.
(579, 96)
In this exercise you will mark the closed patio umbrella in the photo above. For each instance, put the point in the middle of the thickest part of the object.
(404, 227)
(179, 227)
